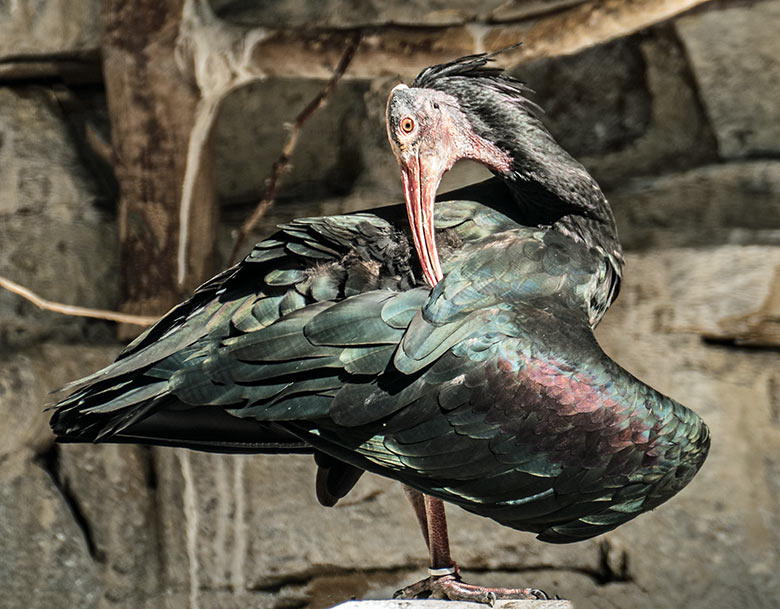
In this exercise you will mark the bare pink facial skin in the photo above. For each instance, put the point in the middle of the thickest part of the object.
(429, 133)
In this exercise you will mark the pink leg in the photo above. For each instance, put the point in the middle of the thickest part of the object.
(444, 579)
(438, 540)
(417, 499)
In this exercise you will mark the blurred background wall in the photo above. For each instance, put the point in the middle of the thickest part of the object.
(679, 122)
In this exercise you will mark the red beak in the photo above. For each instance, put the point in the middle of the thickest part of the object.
(421, 177)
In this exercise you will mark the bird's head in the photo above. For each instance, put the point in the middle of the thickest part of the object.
(459, 110)
(429, 133)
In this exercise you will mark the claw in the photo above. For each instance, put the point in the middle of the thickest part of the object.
(451, 587)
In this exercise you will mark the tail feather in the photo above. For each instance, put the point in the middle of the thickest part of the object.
(167, 422)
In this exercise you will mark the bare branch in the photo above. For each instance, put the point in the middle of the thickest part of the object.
(66, 100)
(99, 145)
(282, 164)
(75, 311)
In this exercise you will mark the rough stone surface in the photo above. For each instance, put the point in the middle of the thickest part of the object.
(581, 589)
(729, 512)
(117, 526)
(346, 14)
(734, 58)
(692, 292)
(57, 240)
(45, 561)
(113, 490)
(253, 523)
(24, 426)
(736, 203)
(521, 9)
(602, 91)
(252, 131)
(341, 13)
(49, 27)
(27, 378)
(625, 108)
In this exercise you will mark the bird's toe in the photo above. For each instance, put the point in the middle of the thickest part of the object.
(452, 588)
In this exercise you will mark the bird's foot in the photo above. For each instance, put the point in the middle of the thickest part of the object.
(451, 587)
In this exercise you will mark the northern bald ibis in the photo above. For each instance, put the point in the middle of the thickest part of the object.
(456, 357)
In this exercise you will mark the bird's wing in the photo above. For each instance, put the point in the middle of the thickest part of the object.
(517, 415)
(505, 405)
(489, 390)
(309, 261)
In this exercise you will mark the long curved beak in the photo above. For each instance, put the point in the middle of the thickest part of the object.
(421, 177)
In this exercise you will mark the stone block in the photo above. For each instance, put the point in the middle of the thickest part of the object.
(733, 54)
(112, 487)
(21, 407)
(252, 129)
(713, 544)
(690, 290)
(47, 28)
(252, 523)
(732, 203)
(57, 239)
(624, 108)
(27, 378)
(523, 9)
(594, 101)
(45, 561)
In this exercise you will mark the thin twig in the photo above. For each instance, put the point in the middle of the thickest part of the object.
(282, 164)
(57, 307)
(63, 96)
(99, 145)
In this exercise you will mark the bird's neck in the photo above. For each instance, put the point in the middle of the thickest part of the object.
(555, 189)
(548, 184)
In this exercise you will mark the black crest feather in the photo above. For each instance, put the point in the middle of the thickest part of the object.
(470, 66)
(476, 70)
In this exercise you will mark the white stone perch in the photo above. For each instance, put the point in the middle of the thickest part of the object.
(444, 604)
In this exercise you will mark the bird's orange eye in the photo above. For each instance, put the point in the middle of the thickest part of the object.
(407, 125)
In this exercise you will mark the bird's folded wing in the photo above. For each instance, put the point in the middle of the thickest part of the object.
(523, 419)
(506, 407)
(310, 261)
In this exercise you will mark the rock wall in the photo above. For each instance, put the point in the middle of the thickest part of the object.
(679, 123)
